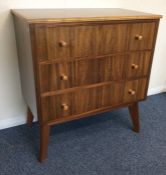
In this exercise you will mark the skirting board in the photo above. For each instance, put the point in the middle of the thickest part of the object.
(20, 120)
(13, 121)
(156, 90)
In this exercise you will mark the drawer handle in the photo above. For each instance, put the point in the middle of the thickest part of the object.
(134, 66)
(64, 77)
(65, 107)
(62, 43)
(131, 92)
(138, 37)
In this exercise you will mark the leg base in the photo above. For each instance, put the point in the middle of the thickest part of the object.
(29, 117)
(44, 137)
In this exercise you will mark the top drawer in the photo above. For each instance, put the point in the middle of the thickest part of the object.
(57, 42)
(141, 36)
(79, 41)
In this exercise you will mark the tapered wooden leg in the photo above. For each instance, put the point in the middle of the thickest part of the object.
(29, 117)
(44, 137)
(134, 113)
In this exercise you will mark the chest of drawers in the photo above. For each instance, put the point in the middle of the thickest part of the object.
(76, 63)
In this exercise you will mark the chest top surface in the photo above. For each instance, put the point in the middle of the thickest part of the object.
(79, 15)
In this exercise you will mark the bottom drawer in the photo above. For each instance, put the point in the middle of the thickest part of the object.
(135, 90)
(84, 100)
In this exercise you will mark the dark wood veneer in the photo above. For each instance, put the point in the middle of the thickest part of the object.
(72, 68)
(91, 40)
(68, 74)
(138, 64)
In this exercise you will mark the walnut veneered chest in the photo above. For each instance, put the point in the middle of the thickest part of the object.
(80, 62)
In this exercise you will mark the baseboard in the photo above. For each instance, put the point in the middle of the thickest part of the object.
(20, 120)
(13, 121)
(157, 90)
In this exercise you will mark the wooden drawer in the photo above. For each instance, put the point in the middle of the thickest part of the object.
(88, 99)
(135, 90)
(138, 64)
(141, 36)
(92, 40)
(81, 101)
(79, 41)
(81, 72)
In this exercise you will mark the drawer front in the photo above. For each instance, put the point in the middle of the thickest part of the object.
(81, 101)
(86, 100)
(79, 41)
(99, 40)
(138, 64)
(141, 36)
(52, 42)
(135, 90)
(82, 72)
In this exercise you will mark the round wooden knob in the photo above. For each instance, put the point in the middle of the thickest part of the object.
(138, 37)
(131, 92)
(134, 66)
(64, 77)
(62, 43)
(65, 107)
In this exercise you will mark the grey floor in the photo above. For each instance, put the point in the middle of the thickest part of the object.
(100, 145)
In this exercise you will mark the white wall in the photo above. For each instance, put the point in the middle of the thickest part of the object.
(158, 76)
(12, 106)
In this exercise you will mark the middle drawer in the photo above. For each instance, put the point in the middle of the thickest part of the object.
(68, 74)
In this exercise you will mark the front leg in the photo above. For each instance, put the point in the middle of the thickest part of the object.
(134, 113)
